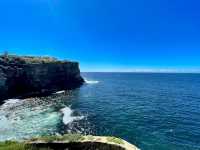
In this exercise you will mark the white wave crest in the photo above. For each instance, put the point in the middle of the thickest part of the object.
(10, 102)
(60, 92)
(91, 81)
(68, 118)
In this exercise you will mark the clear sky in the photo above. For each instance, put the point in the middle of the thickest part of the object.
(105, 35)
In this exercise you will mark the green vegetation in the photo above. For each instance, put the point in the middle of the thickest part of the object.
(66, 137)
(115, 140)
(9, 145)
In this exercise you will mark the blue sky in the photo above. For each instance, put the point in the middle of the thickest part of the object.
(105, 35)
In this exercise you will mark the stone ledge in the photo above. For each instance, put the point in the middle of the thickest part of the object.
(83, 142)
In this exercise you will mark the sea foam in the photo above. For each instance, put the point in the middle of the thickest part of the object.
(21, 119)
(10, 102)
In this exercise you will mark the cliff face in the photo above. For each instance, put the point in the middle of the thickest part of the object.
(23, 76)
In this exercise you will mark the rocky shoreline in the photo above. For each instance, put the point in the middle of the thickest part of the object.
(24, 76)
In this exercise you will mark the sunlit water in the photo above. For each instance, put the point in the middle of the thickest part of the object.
(152, 111)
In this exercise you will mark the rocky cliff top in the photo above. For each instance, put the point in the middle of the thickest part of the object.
(25, 75)
(20, 60)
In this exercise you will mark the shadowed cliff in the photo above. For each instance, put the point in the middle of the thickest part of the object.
(22, 76)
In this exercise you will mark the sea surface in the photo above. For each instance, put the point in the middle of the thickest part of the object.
(153, 111)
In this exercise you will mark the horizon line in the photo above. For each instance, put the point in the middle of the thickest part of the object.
(140, 72)
(147, 70)
(163, 72)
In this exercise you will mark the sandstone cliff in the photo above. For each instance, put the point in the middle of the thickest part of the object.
(24, 76)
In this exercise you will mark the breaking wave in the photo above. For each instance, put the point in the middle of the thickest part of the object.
(68, 116)
(10, 102)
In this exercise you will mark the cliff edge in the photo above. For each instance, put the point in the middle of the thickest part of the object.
(26, 75)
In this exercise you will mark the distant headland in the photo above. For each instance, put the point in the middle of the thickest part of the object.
(22, 76)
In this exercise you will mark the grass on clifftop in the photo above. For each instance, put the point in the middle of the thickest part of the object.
(9, 145)
(66, 137)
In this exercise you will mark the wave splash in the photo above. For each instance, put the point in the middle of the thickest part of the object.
(67, 116)
(91, 81)
(25, 118)
(20, 119)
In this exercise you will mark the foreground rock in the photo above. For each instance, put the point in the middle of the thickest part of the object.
(70, 142)
(25, 76)
(79, 142)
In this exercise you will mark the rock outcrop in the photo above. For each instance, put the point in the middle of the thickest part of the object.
(26, 76)
(70, 142)
(79, 142)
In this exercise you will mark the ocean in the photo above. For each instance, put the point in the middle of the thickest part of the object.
(154, 111)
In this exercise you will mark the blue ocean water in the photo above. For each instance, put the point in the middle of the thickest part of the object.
(152, 111)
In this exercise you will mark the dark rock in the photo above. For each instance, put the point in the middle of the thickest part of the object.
(26, 76)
